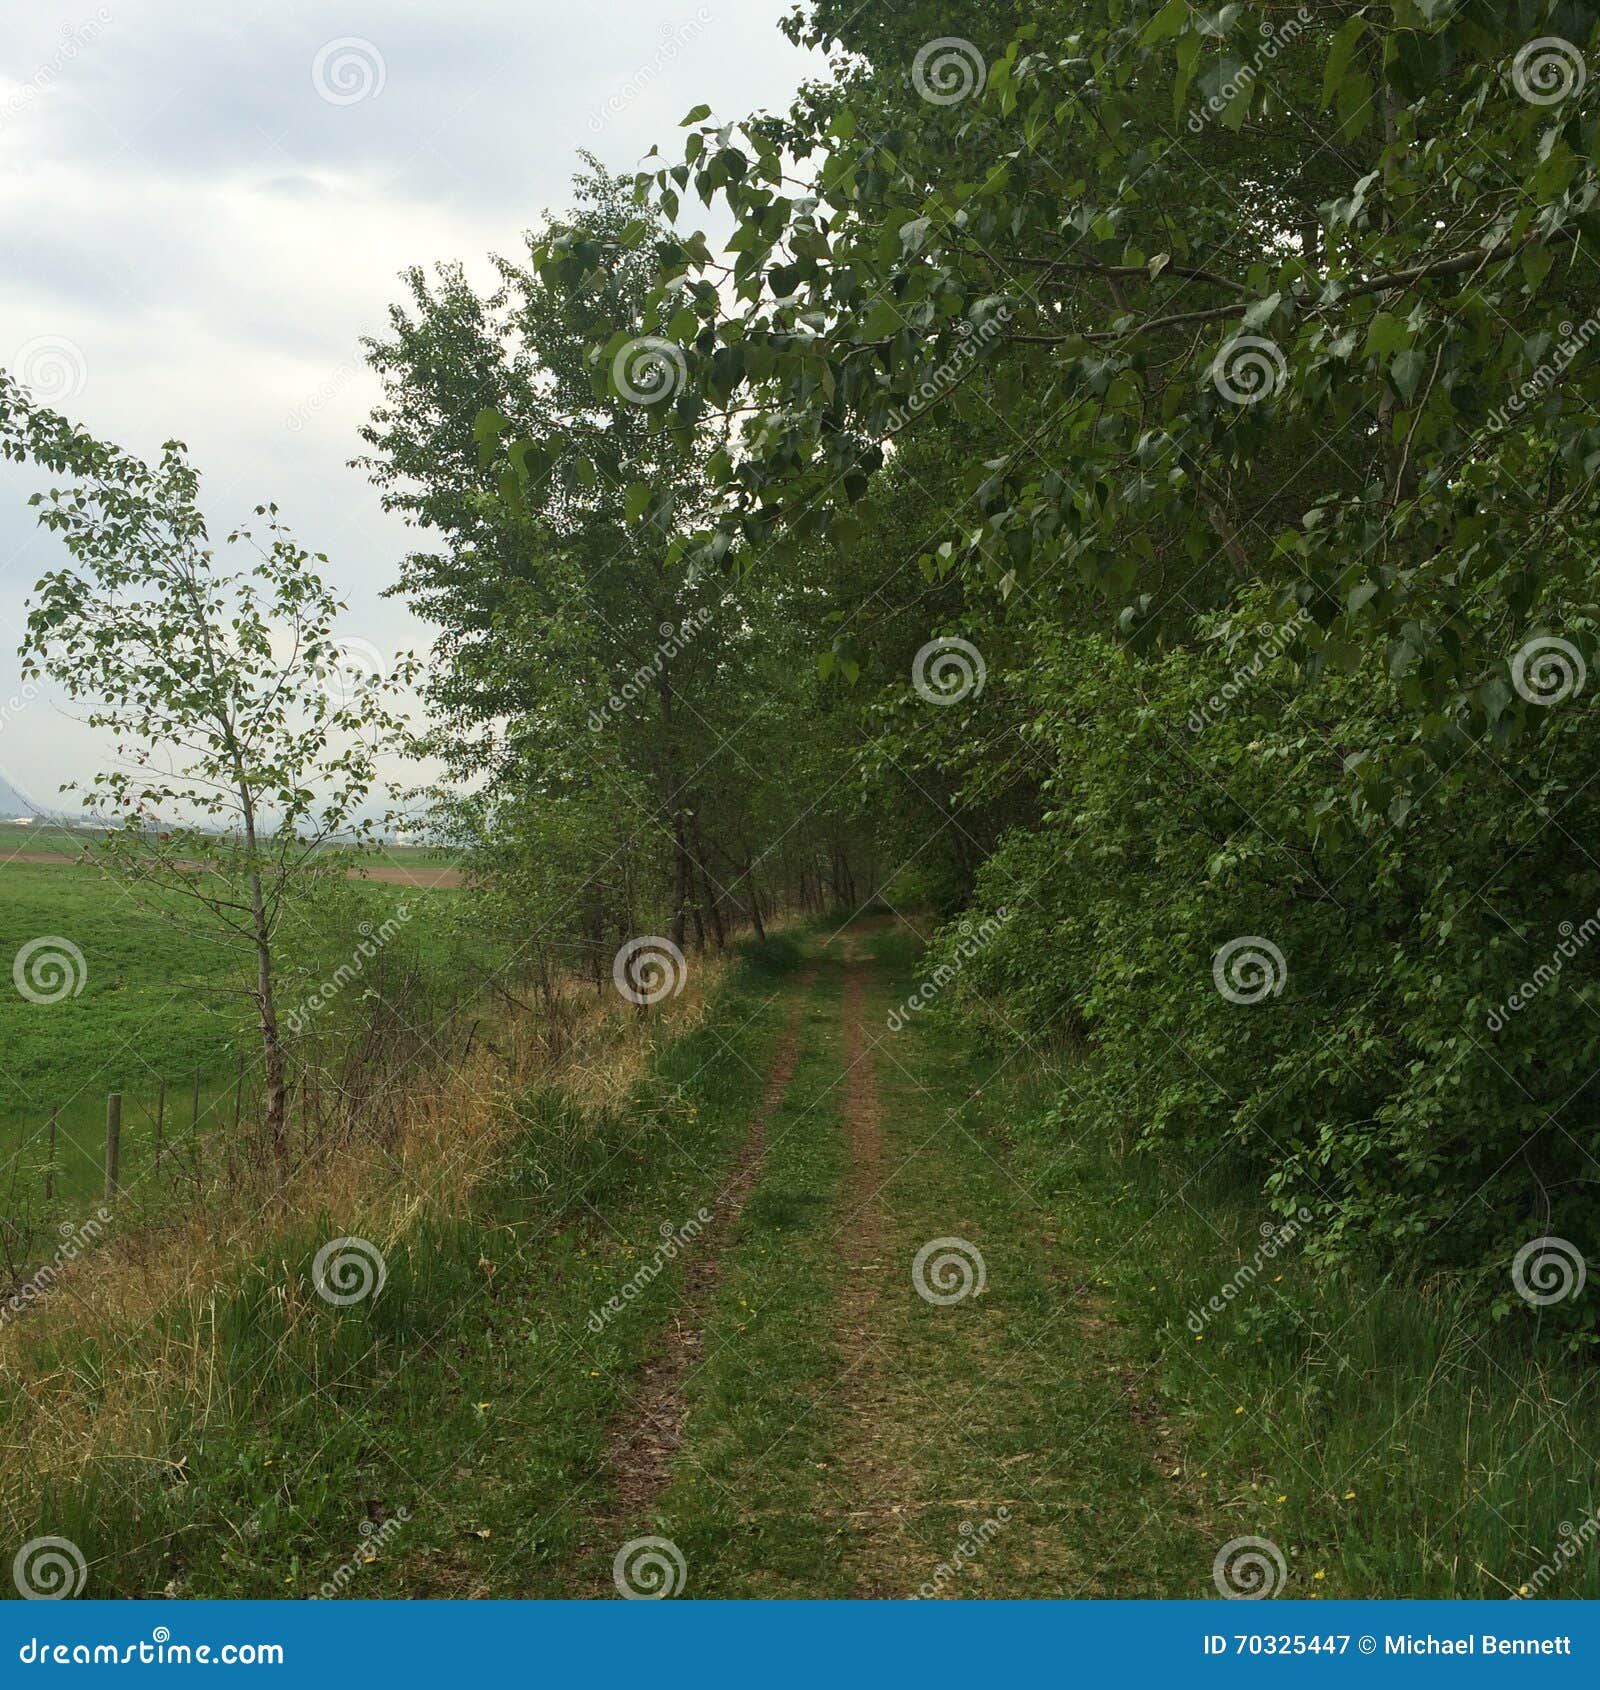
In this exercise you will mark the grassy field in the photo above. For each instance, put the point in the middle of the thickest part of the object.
(159, 1001)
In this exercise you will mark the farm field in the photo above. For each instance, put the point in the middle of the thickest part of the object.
(158, 1002)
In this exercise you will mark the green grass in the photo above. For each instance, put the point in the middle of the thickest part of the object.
(471, 1393)
(158, 1001)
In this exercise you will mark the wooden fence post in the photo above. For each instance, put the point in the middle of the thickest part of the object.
(113, 1140)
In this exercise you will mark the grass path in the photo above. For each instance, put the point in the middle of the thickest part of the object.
(848, 1436)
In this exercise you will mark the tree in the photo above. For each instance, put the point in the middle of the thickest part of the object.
(249, 737)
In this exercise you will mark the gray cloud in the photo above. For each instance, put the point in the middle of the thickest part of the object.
(208, 237)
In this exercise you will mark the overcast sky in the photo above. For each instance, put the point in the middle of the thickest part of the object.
(203, 209)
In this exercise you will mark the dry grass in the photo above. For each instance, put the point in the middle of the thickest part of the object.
(139, 1311)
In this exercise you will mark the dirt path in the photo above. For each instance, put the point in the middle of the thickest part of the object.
(644, 1444)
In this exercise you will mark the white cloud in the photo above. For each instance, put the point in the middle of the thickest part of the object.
(183, 208)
